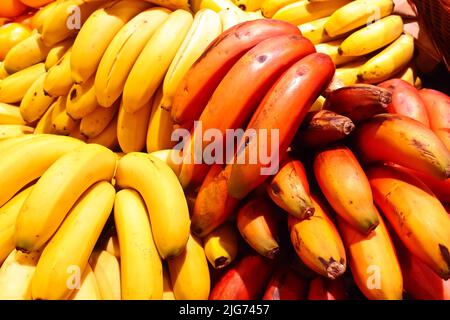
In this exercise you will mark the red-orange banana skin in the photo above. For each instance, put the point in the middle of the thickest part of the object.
(358, 102)
(406, 100)
(404, 141)
(286, 284)
(416, 215)
(376, 251)
(283, 108)
(213, 204)
(438, 107)
(346, 187)
(204, 76)
(323, 289)
(245, 280)
(230, 107)
(289, 189)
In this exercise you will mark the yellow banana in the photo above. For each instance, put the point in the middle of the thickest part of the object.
(8, 216)
(88, 289)
(189, 272)
(96, 34)
(418, 83)
(347, 74)
(8, 143)
(315, 31)
(16, 274)
(356, 14)
(81, 99)
(218, 5)
(57, 52)
(163, 195)
(389, 61)
(35, 101)
(408, 75)
(107, 272)
(167, 285)
(249, 5)
(154, 60)
(14, 87)
(318, 104)
(38, 19)
(62, 123)
(270, 7)
(10, 114)
(3, 72)
(132, 128)
(45, 124)
(96, 121)
(122, 52)
(373, 37)
(14, 130)
(76, 133)
(229, 18)
(304, 11)
(59, 81)
(204, 29)
(221, 245)
(53, 276)
(332, 49)
(57, 191)
(171, 157)
(111, 244)
(172, 4)
(141, 268)
(108, 137)
(160, 126)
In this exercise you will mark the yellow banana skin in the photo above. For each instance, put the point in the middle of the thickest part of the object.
(162, 192)
(8, 216)
(389, 61)
(85, 221)
(81, 99)
(332, 49)
(45, 124)
(96, 121)
(156, 56)
(141, 266)
(14, 87)
(57, 52)
(304, 11)
(13, 130)
(3, 73)
(216, 5)
(35, 101)
(189, 272)
(229, 19)
(172, 4)
(108, 137)
(10, 114)
(76, 133)
(16, 274)
(270, 7)
(372, 37)
(89, 289)
(347, 74)
(315, 31)
(57, 191)
(356, 14)
(96, 34)
(132, 128)
(7, 143)
(107, 272)
(62, 123)
(204, 29)
(171, 157)
(42, 15)
(28, 160)
(122, 53)
(249, 5)
(221, 245)
(59, 81)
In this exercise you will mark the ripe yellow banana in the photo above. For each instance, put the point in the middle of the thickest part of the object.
(108, 137)
(35, 101)
(76, 133)
(16, 274)
(171, 157)
(217, 6)
(229, 18)
(347, 74)
(96, 34)
(59, 81)
(356, 14)
(270, 7)
(3, 73)
(45, 124)
(57, 52)
(315, 31)
(107, 272)
(189, 272)
(122, 52)
(10, 114)
(14, 87)
(389, 61)
(408, 75)
(172, 4)
(373, 37)
(14, 130)
(141, 267)
(42, 15)
(304, 11)
(65, 19)
(249, 5)
(89, 289)
(8, 216)
(81, 99)
(132, 128)
(154, 60)
(204, 29)
(111, 244)
(56, 270)
(163, 195)
(160, 126)
(5, 144)
(62, 123)
(332, 49)
(57, 191)
(221, 245)
(96, 121)
(167, 285)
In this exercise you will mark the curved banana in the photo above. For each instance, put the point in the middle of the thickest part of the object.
(38, 19)
(108, 137)
(221, 245)
(141, 268)
(76, 133)
(122, 52)
(270, 7)
(10, 114)
(172, 4)
(111, 245)
(45, 124)
(107, 272)
(3, 73)
(14, 130)
(189, 272)
(315, 31)
(88, 289)
(156, 56)
(132, 128)
(8, 143)
(57, 191)
(62, 123)
(81, 99)
(96, 121)
(57, 52)
(84, 221)
(229, 18)
(35, 102)
(163, 195)
(59, 81)
(216, 5)
(332, 49)
(347, 74)
(171, 157)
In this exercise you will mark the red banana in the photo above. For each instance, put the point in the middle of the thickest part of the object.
(286, 284)
(324, 289)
